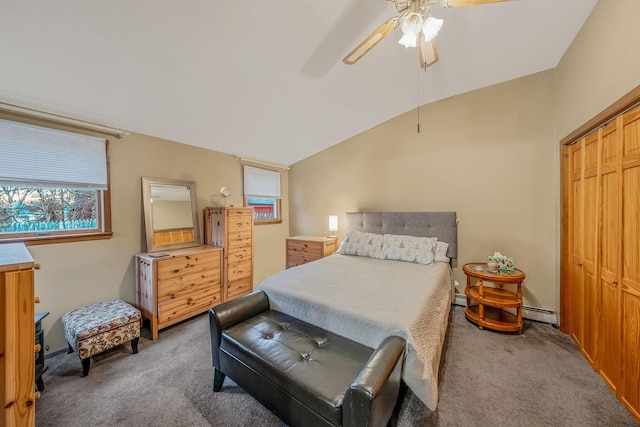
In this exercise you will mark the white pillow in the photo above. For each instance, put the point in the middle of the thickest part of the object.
(409, 248)
(441, 252)
(363, 244)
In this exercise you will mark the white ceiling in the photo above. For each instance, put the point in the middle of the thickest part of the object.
(262, 79)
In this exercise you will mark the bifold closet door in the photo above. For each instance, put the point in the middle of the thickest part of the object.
(630, 284)
(601, 249)
(609, 335)
(575, 243)
(590, 200)
(583, 242)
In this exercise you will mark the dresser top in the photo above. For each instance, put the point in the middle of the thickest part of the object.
(172, 253)
(15, 256)
(313, 238)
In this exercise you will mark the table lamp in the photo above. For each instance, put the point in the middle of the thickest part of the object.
(333, 224)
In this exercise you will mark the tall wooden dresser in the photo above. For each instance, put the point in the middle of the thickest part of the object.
(17, 336)
(232, 230)
(177, 284)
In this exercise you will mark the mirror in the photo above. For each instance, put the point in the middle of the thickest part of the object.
(170, 214)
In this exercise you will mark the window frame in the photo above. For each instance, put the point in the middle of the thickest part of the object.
(277, 220)
(65, 236)
(278, 200)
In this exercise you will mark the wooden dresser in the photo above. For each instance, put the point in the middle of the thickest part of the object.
(177, 284)
(304, 249)
(17, 336)
(232, 230)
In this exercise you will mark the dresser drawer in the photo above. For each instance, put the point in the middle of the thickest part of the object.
(239, 223)
(245, 212)
(239, 270)
(184, 284)
(239, 239)
(239, 287)
(297, 259)
(305, 248)
(240, 253)
(183, 307)
(183, 265)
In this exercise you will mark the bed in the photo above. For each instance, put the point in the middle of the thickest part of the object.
(366, 299)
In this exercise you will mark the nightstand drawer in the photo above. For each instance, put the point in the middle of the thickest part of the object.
(305, 248)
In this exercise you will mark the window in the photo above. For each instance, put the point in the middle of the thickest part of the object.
(53, 185)
(262, 193)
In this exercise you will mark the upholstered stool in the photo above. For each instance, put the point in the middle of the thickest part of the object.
(95, 328)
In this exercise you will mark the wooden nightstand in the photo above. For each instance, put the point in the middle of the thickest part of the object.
(486, 305)
(304, 249)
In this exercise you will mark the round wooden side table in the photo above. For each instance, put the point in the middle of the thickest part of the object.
(486, 305)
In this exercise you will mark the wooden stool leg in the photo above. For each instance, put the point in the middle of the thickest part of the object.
(134, 345)
(85, 366)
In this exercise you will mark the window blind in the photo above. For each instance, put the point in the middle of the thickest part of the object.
(261, 182)
(42, 157)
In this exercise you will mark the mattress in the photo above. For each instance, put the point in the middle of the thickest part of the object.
(366, 300)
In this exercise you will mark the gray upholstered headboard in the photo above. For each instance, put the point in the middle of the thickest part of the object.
(442, 225)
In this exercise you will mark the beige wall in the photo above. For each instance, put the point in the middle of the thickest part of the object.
(601, 65)
(77, 274)
(487, 154)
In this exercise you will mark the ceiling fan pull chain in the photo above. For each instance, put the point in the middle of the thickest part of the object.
(418, 75)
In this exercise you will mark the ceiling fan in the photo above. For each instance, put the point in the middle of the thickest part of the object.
(419, 29)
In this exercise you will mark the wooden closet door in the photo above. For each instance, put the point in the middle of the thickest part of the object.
(590, 246)
(630, 286)
(609, 336)
(575, 243)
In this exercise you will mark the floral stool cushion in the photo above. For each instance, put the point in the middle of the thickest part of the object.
(95, 328)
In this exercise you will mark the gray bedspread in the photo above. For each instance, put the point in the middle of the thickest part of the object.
(367, 299)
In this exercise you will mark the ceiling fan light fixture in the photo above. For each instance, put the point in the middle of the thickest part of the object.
(411, 25)
(418, 29)
(431, 27)
(408, 40)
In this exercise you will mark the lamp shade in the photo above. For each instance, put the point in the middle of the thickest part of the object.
(410, 26)
(333, 223)
(431, 27)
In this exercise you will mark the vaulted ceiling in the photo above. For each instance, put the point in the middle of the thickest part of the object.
(262, 79)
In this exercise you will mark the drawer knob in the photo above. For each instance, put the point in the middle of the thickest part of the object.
(37, 348)
(36, 300)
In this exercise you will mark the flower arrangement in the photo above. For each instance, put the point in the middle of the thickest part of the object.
(505, 264)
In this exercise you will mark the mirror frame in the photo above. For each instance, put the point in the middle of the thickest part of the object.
(152, 246)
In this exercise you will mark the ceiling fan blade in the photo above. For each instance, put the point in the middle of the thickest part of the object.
(427, 52)
(374, 38)
(357, 15)
(458, 3)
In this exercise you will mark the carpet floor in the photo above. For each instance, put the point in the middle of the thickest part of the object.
(486, 378)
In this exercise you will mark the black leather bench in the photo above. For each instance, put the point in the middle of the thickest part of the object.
(306, 375)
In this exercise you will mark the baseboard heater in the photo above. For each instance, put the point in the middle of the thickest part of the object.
(531, 313)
